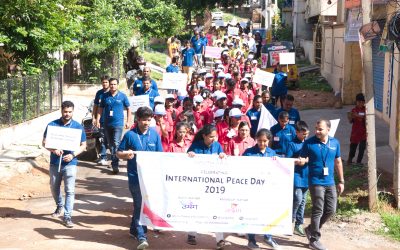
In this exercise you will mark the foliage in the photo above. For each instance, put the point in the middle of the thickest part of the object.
(283, 33)
(392, 222)
(312, 82)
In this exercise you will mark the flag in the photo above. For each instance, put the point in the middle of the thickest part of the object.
(266, 119)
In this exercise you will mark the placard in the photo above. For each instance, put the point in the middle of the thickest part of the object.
(219, 23)
(263, 77)
(274, 56)
(233, 31)
(63, 138)
(174, 81)
(243, 24)
(217, 195)
(213, 52)
(139, 101)
(286, 58)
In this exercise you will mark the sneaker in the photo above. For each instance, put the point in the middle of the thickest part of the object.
(308, 232)
(103, 162)
(298, 230)
(272, 243)
(317, 245)
(220, 244)
(143, 244)
(58, 212)
(191, 240)
(253, 245)
(68, 223)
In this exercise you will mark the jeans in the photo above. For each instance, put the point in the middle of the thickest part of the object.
(68, 173)
(324, 199)
(361, 149)
(103, 144)
(136, 229)
(299, 204)
(199, 60)
(252, 237)
(113, 137)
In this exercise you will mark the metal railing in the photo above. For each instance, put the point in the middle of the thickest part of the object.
(25, 98)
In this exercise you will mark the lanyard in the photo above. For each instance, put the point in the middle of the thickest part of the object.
(327, 152)
(113, 100)
(140, 140)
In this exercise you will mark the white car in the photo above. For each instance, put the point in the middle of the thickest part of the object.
(217, 15)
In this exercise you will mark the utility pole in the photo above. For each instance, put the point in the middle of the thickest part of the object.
(370, 109)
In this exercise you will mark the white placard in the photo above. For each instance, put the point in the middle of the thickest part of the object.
(139, 101)
(287, 58)
(219, 23)
(243, 24)
(233, 31)
(263, 77)
(218, 195)
(62, 138)
(213, 52)
(174, 81)
(334, 127)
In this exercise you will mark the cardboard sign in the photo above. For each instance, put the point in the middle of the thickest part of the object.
(62, 138)
(219, 23)
(139, 101)
(233, 31)
(263, 77)
(213, 52)
(174, 81)
(287, 58)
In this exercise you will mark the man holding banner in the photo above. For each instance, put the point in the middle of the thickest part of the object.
(141, 138)
(63, 160)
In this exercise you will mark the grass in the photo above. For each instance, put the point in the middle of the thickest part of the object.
(312, 81)
(157, 58)
(156, 75)
(159, 47)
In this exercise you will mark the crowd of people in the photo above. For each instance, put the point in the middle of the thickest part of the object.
(219, 112)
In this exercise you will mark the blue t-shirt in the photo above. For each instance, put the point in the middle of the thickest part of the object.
(97, 100)
(172, 69)
(294, 115)
(271, 108)
(300, 172)
(204, 40)
(320, 154)
(282, 137)
(255, 151)
(113, 109)
(188, 55)
(198, 45)
(199, 147)
(279, 87)
(137, 141)
(254, 117)
(54, 159)
(152, 94)
(138, 86)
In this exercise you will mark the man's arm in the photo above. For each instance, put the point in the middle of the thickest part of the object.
(99, 112)
(94, 114)
(339, 172)
(126, 154)
(128, 117)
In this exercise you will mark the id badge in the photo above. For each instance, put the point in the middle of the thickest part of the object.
(276, 138)
(254, 118)
(326, 171)
(291, 122)
(111, 113)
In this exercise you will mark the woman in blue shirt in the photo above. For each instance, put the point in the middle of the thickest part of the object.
(205, 142)
(173, 67)
(261, 149)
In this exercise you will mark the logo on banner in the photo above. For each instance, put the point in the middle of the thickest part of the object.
(234, 208)
(190, 205)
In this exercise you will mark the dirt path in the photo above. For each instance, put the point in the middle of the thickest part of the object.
(102, 215)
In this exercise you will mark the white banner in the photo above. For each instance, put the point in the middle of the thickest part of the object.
(263, 77)
(207, 194)
(174, 81)
(233, 31)
(213, 52)
(63, 138)
(139, 101)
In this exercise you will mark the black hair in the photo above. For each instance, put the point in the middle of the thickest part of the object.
(283, 114)
(243, 123)
(327, 122)
(67, 104)
(144, 79)
(180, 125)
(230, 82)
(301, 126)
(206, 130)
(264, 132)
(360, 97)
(288, 97)
(105, 77)
(256, 97)
(144, 112)
(113, 79)
(175, 59)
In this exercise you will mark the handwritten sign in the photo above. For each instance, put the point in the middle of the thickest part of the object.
(174, 81)
(213, 52)
(263, 77)
(233, 31)
(63, 138)
(139, 101)
(287, 58)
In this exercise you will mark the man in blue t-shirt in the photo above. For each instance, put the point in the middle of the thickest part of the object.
(324, 159)
(138, 87)
(140, 138)
(113, 103)
(188, 60)
(287, 105)
(173, 67)
(198, 46)
(63, 165)
(103, 146)
(282, 134)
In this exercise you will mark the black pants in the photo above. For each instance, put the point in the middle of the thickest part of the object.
(324, 199)
(361, 149)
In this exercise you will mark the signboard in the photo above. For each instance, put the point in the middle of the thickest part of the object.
(213, 52)
(233, 31)
(287, 58)
(139, 101)
(174, 81)
(63, 138)
(213, 194)
(263, 77)
(274, 56)
(219, 23)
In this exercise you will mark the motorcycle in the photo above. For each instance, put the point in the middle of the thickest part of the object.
(94, 136)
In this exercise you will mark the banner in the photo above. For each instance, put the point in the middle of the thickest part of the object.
(63, 138)
(208, 194)
(263, 77)
(174, 81)
(233, 31)
(139, 101)
(274, 56)
(213, 52)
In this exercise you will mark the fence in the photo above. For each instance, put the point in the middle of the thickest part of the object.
(25, 98)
